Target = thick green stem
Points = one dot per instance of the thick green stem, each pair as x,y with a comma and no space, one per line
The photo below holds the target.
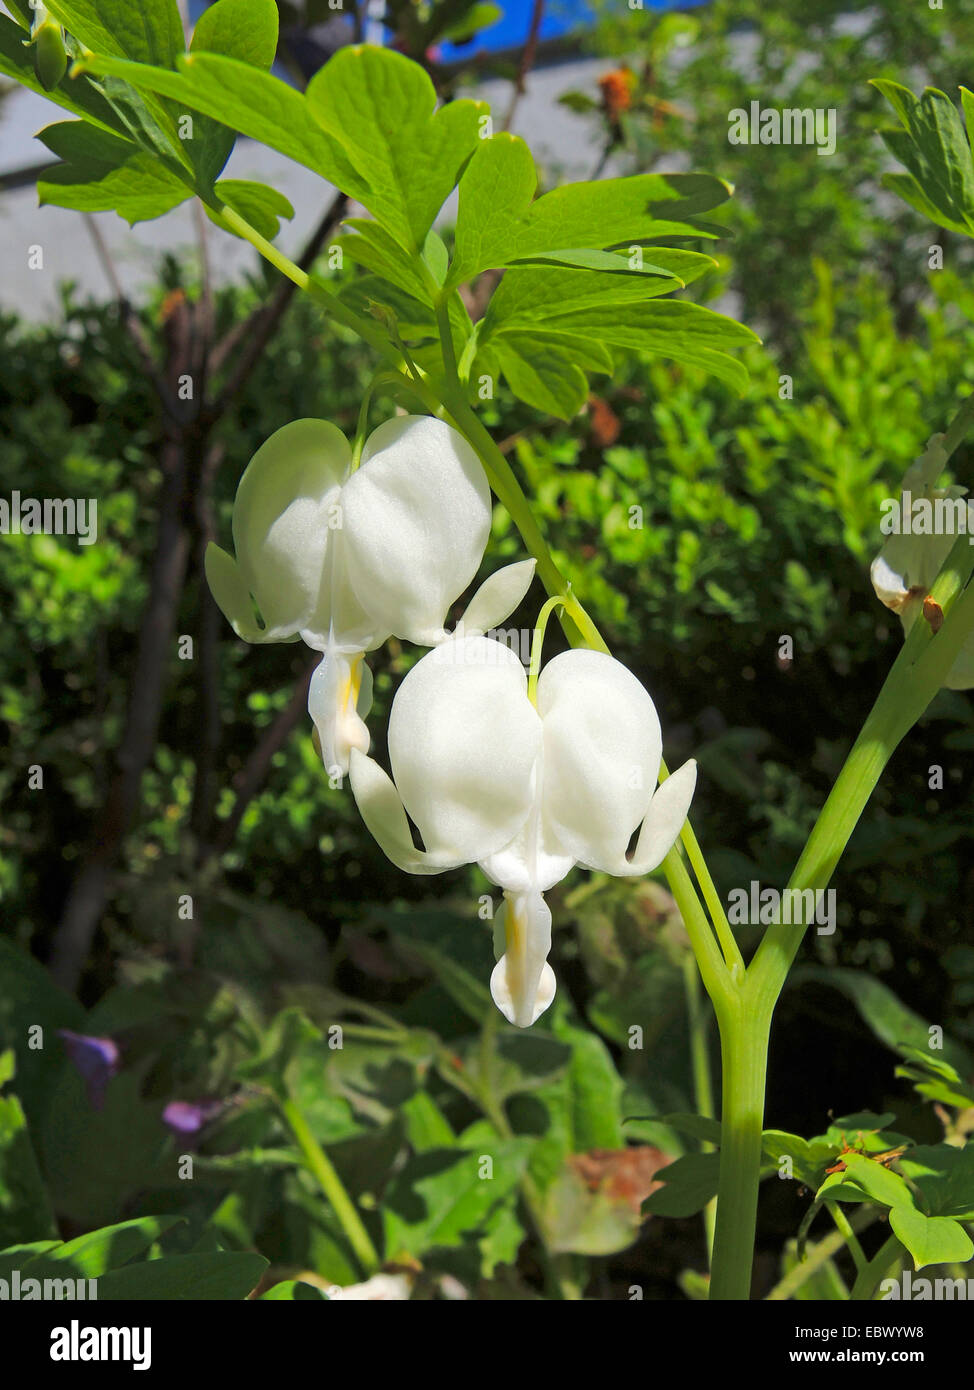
744,1055
323,1170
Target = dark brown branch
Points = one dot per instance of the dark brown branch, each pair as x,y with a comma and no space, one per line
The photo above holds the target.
251,777
528,54
132,325
86,898
209,623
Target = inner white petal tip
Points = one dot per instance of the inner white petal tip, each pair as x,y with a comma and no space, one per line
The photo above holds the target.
523,1012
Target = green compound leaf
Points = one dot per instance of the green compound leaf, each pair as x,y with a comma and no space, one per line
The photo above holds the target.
544,372
528,297
933,146
863,1179
931,1240
371,246
444,1196
248,100
499,225
380,107
684,332
193,147
104,173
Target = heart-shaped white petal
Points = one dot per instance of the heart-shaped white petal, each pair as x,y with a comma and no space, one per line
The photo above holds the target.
463,741
416,519
284,518
602,750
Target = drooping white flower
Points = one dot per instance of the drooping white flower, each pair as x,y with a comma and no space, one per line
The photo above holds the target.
909,562
344,559
526,790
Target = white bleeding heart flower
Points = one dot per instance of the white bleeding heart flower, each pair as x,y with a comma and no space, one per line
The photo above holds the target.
344,558
526,790
909,562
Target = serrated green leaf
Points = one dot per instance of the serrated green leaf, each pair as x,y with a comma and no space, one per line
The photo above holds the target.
381,108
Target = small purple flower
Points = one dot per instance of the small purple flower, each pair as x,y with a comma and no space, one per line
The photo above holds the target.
97,1059
189,1117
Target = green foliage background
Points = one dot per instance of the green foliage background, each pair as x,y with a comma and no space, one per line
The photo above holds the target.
756,518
